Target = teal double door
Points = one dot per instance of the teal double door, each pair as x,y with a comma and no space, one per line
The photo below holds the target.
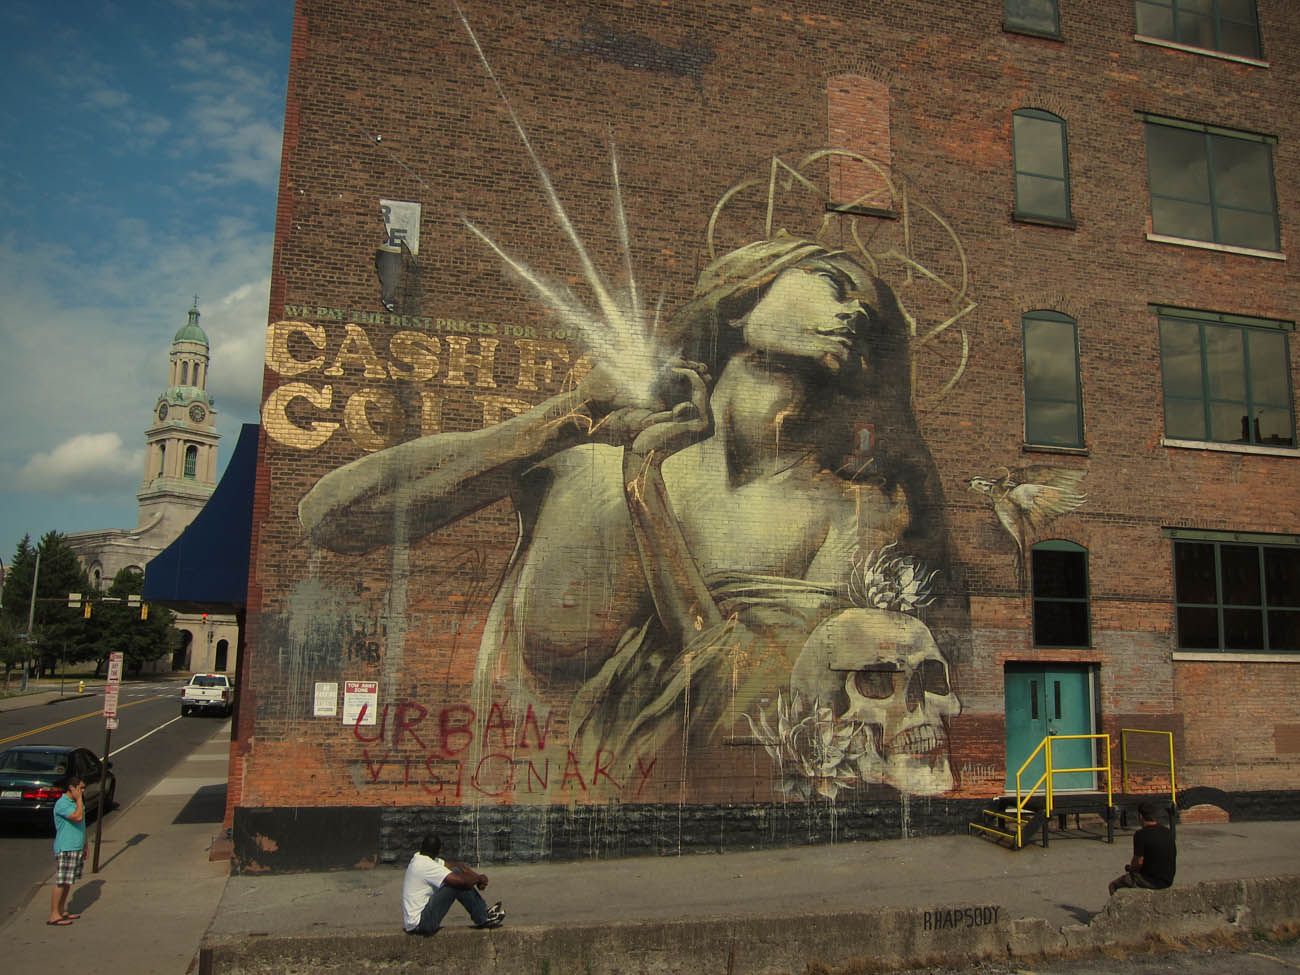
1047,700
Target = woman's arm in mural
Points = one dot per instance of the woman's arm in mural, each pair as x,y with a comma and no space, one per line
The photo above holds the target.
681,596
443,477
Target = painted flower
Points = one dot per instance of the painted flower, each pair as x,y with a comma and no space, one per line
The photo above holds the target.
817,753
901,583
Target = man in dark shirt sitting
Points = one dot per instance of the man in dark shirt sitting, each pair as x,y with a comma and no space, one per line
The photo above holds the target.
1154,855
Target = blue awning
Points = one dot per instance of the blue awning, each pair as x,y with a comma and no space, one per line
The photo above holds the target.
206,568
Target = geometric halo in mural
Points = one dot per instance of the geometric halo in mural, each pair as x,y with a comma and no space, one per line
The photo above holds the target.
896,235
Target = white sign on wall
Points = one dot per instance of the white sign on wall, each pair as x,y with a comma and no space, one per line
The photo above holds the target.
402,221
360,701
325,703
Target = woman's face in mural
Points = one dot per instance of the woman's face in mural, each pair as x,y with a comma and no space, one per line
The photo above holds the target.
815,310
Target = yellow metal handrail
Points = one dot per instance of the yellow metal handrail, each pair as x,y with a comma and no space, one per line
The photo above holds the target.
1049,773
1125,761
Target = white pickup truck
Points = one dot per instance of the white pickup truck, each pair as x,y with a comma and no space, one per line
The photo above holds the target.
208,692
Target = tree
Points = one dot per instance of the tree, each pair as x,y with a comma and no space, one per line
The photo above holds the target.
12,649
58,633
117,626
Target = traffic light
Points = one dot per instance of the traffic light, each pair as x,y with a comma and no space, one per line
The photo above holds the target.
144,611
85,610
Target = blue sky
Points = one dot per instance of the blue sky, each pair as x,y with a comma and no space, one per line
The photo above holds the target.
139,157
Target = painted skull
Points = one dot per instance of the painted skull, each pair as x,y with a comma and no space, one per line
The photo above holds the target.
883,671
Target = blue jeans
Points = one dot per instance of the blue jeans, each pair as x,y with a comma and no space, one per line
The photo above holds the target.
434,911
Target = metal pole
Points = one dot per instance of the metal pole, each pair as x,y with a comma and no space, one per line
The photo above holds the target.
99,813
31,616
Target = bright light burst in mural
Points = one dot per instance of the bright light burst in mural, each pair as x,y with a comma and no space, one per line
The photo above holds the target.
620,331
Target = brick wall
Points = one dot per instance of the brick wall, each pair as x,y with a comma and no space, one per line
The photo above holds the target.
389,101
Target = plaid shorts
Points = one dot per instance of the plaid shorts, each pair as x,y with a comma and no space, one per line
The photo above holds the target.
69,867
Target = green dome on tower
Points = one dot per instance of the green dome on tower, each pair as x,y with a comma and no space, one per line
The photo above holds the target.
190,331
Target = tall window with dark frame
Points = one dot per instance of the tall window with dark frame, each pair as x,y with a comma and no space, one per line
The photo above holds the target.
1059,570
1053,401
1226,381
1232,595
1042,166
1229,26
1212,184
191,461
1032,17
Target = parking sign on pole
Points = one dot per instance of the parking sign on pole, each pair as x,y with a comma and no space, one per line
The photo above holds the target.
110,691
111,688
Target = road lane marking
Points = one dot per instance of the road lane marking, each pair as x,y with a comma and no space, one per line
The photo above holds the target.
80,717
115,751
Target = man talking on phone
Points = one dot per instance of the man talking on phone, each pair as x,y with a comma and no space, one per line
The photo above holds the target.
69,848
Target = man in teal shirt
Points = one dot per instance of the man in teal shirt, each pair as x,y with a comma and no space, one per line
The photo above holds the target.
69,848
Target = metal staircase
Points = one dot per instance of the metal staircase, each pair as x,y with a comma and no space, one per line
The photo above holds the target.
1013,819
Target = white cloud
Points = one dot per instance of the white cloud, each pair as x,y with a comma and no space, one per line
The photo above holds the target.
244,145
238,340
87,464
107,98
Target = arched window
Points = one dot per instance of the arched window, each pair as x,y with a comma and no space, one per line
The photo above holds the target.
1042,166
191,460
181,656
162,459
1060,584
185,373
1053,400
223,649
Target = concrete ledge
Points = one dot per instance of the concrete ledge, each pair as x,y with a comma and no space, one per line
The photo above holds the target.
889,938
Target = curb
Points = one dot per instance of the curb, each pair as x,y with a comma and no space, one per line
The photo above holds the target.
887,939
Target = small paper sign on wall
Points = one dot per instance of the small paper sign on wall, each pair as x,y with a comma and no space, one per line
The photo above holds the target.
325,703
360,701
402,221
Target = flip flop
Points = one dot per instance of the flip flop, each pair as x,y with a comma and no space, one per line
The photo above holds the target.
62,922
70,917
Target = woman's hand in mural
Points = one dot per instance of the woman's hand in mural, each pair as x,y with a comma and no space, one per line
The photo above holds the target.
675,407
687,421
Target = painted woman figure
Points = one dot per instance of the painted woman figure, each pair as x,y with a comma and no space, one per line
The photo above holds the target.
676,550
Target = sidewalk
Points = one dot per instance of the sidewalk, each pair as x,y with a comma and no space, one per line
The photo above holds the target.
39,694
1063,884
158,898
156,892
900,901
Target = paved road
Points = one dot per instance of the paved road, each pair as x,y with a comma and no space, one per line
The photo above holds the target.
1257,958
151,738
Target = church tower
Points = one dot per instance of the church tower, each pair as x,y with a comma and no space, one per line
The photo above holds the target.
180,470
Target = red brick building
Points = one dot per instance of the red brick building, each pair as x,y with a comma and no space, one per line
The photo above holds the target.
708,426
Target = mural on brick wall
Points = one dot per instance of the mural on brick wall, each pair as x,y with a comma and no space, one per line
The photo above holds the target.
1028,499
730,542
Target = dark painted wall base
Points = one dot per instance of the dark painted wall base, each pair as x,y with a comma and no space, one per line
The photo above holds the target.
502,834
286,839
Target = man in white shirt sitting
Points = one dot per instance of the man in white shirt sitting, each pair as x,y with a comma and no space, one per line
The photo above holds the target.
431,884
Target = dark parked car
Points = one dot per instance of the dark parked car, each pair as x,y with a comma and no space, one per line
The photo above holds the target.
32,778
